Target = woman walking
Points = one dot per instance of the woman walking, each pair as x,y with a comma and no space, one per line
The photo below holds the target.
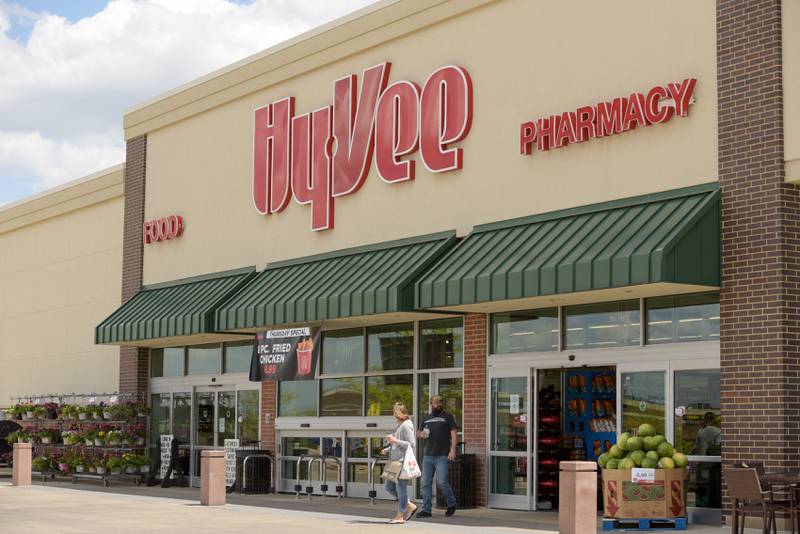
400,440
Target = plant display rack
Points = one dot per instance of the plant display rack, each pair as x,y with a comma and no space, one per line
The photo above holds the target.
97,436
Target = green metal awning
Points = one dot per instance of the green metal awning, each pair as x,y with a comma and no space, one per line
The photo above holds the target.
361,281
172,309
672,236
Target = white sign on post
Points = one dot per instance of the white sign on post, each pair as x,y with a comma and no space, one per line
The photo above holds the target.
230,461
166,453
640,474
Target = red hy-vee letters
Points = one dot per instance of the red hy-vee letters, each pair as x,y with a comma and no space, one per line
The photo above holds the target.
327,153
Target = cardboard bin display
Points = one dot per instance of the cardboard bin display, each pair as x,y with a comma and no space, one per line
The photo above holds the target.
661,498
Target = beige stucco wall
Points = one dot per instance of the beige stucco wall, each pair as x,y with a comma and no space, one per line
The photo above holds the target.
60,274
526,59
791,88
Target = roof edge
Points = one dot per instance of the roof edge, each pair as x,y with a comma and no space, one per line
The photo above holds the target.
438,236
600,206
200,278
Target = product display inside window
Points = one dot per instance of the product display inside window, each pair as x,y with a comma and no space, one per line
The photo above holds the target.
384,391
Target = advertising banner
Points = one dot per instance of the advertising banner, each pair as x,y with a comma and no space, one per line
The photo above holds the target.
287,354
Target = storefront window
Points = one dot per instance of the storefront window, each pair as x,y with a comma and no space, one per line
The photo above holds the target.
248,416
238,356
390,347
166,362
297,398
204,360
357,447
602,325
441,344
343,351
384,391
525,331
683,318
342,396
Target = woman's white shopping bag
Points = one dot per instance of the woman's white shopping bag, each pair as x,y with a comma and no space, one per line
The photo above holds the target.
410,467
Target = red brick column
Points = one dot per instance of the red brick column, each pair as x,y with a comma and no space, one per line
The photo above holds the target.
475,421
759,321
269,406
133,362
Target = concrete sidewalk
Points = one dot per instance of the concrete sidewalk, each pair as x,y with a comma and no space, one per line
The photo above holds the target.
61,507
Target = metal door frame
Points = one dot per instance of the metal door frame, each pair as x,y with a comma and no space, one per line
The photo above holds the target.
517,502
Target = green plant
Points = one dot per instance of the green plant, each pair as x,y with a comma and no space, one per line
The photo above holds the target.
115,462
68,411
73,460
18,436
41,463
39,412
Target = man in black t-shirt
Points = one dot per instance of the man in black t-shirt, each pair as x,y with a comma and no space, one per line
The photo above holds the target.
439,431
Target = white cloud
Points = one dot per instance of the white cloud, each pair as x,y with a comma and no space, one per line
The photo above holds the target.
63,92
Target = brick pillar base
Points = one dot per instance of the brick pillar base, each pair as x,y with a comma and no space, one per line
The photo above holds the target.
475,421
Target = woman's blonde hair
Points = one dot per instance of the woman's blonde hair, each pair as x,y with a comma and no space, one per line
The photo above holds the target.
400,412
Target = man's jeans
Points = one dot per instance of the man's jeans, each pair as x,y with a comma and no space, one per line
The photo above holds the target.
441,464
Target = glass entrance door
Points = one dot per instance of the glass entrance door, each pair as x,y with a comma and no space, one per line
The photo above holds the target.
510,441
219,414
642,397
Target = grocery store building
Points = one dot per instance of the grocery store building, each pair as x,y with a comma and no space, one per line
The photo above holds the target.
565,218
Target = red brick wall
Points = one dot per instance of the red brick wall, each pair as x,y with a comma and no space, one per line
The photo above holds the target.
133,362
760,324
475,421
269,405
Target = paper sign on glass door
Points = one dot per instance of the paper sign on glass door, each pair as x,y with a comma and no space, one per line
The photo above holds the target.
513,404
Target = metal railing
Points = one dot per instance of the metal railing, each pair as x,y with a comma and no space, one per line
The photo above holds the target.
270,459
323,460
371,463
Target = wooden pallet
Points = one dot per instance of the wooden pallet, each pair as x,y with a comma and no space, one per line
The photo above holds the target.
676,523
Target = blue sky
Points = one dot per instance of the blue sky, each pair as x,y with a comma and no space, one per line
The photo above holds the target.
70,69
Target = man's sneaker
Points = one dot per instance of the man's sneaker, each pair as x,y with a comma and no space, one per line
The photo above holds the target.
450,510
424,514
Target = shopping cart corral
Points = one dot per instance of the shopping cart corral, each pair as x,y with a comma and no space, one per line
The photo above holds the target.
323,460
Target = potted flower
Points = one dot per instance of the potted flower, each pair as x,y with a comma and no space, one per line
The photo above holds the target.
126,439
47,437
100,438
131,463
108,413
83,413
142,410
18,436
41,464
39,412
52,410
115,465
113,438
88,438
144,464
27,411
97,412
68,412
91,466
100,466
80,463
63,465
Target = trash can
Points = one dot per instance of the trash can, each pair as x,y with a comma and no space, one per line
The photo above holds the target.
259,472
462,480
